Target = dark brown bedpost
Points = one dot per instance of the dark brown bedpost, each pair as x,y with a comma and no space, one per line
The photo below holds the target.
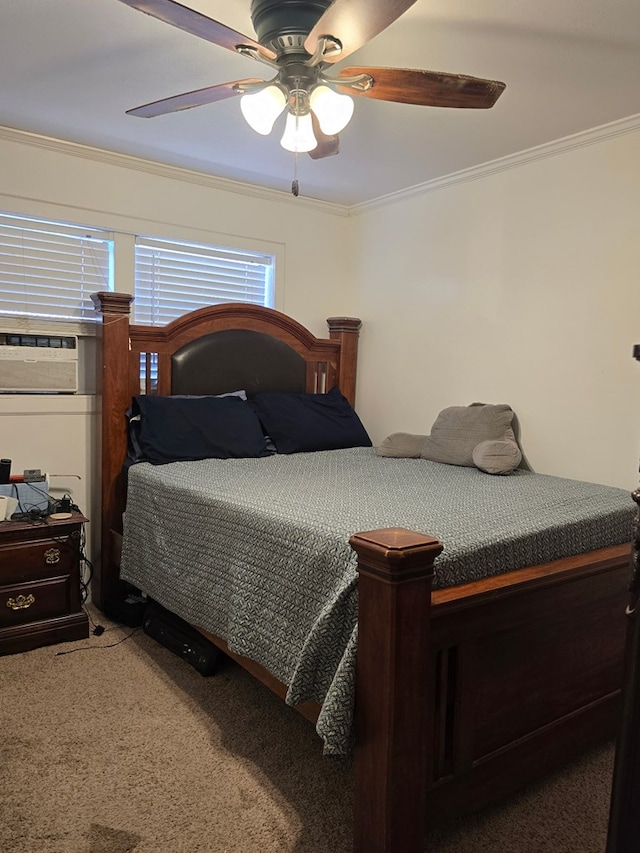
113,387
624,811
346,330
392,689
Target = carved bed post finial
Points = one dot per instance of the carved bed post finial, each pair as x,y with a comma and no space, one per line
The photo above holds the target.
346,330
392,689
114,390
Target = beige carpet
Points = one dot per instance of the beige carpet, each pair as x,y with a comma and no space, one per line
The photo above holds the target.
120,748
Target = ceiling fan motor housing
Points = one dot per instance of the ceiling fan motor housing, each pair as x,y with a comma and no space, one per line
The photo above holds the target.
283,25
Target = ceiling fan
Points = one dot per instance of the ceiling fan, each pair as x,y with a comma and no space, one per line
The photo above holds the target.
301,40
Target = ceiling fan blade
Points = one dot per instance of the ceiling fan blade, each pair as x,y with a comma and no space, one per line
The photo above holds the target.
429,88
197,98
354,23
197,24
327,145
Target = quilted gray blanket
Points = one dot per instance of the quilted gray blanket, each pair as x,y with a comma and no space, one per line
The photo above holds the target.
257,552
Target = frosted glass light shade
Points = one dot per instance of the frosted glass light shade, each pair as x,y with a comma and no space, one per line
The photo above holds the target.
298,133
262,108
332,110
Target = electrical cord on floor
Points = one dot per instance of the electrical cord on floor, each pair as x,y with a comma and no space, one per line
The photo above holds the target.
98,629
95,648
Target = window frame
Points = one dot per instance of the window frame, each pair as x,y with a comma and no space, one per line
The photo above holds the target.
53,256
123,259
242,273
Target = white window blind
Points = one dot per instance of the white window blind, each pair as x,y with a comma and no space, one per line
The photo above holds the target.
173,278
49,269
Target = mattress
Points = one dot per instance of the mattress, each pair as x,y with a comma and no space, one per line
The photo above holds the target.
257,551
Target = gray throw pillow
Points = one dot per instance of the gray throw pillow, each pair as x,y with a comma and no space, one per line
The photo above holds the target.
458,430
402,445
497,457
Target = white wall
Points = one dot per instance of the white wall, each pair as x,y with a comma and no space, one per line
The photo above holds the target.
48,178
58,435
521,286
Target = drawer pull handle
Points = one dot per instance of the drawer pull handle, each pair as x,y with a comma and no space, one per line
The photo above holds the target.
21,602
52,556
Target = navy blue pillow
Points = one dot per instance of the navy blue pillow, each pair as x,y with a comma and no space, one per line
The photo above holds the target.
134,451
298,423
173,429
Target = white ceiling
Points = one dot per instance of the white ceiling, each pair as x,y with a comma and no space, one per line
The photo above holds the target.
70,68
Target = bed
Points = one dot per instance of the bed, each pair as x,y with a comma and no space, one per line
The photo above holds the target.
463,692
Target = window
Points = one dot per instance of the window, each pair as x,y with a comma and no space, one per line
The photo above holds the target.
172,278
49,270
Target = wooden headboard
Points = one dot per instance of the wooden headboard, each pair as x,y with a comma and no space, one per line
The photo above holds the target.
209,351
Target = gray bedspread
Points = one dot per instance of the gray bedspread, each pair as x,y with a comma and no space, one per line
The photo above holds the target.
256,550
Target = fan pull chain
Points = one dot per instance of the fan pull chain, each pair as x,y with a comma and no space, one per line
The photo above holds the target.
295,186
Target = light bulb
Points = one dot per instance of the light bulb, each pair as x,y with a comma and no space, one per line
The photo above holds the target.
332,110
298,133
262,108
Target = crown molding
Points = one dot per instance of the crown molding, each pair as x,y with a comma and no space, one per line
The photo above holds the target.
163,170
621,127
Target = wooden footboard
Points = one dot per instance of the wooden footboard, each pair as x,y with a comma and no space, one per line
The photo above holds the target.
467,694
529,669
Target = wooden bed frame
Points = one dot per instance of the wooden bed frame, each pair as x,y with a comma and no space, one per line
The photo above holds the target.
464,694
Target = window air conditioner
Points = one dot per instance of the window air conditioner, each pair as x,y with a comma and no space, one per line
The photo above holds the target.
38,361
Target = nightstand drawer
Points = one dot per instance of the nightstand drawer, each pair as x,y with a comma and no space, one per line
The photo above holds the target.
40,583
39,559
29,602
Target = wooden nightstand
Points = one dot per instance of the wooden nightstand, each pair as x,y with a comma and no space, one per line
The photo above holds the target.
40,583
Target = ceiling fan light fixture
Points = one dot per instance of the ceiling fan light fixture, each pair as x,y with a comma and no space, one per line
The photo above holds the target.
332,110
298,133
262,108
